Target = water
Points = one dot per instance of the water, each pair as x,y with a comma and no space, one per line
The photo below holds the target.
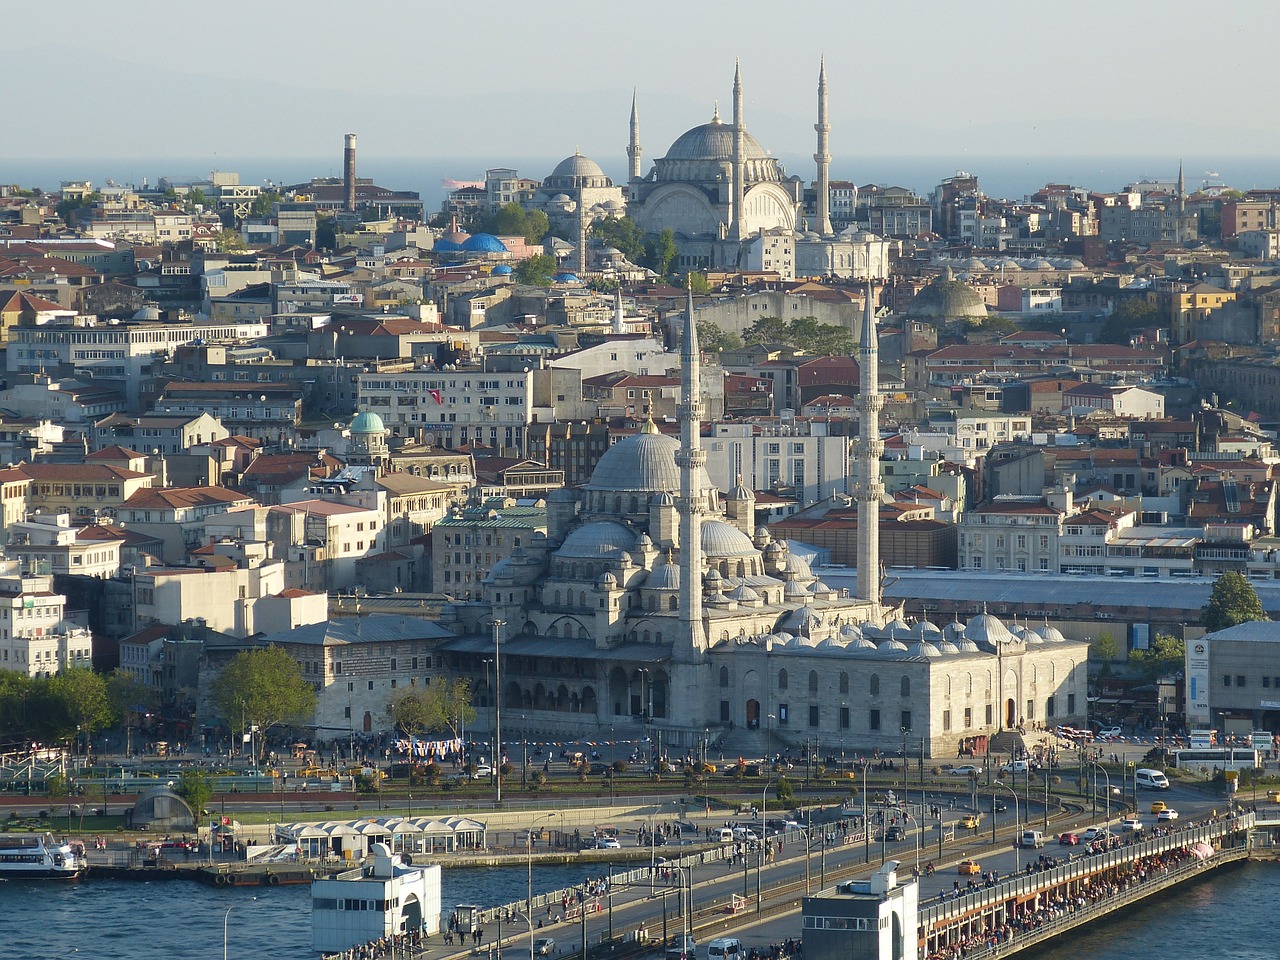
182,920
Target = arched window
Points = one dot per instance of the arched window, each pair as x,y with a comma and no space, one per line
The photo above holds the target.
672,603
724,676
906,686
553,632
657,636
782,679
844,682
635,505
646,636
875,685
582,599
813,681
582,634
557,598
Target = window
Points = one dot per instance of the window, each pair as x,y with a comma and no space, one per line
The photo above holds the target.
968,718
1049,708
724,711
906,720
724,676
844,682
782,679
990,715
906,686
813,681
875,685
784,714
873,720
1266,681
844,718
346,713
370,684
1071,704
1031,710
1240,680
1226,679
946,720
813,715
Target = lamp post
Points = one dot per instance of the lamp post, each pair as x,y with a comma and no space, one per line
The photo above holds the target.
497,712
905,763
529,903
866,817
225,918
1017,821
1107,777
764,833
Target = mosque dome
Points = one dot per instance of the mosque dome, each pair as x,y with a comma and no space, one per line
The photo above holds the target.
1052,634
565,278
643,462
744,594
965,645
795,591
720,539
483,243
850,632
575,172
831,643
985,628
597,539
923,648
367,422
665,576
705,153
859,644
501,270
797,566
892,648
946,298
946,646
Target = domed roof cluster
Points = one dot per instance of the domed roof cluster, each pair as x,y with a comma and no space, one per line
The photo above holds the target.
898,639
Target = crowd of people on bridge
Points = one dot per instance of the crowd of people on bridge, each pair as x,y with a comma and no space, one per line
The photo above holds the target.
1057,904
392,945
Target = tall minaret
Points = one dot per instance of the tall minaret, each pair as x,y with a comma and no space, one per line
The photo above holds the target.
868,451
737,222
619,323
823,157
691,459
581,253
633,149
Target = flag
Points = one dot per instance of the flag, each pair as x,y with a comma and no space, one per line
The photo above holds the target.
435,395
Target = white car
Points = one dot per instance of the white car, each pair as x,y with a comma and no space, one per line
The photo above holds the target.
965,771
544,946
1094,833
1167,814
481,771
608,843
1132,824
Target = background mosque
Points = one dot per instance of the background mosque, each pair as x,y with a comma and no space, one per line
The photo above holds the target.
653,599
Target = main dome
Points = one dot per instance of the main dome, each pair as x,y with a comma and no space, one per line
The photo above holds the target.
714,141
704,154
643,461
574,172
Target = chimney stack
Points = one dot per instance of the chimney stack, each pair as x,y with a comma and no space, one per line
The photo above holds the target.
349,170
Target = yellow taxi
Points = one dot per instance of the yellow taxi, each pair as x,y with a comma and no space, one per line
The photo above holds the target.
1159,807
970,821
968,868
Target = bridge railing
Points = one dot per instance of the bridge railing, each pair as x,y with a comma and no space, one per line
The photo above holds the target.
1027,885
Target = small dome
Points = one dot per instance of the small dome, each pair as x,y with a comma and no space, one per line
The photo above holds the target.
794,590
965,645
607,580
597,539
501,270
644,542
850,632
664,499
892,648
859,644
945,298
926,631
744,594
483,243
923,648
665,576
565,278
946,646
831,643
797,566
1052,634
897,628
985,628
500,570
720,539
367,422
713,578
561,198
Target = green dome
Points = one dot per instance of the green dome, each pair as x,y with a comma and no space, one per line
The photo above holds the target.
367,422
945,298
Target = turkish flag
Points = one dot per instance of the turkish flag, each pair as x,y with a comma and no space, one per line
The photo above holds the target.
435,395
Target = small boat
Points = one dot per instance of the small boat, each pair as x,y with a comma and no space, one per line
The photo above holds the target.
37,856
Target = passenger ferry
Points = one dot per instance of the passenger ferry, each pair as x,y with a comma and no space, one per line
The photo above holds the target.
37,856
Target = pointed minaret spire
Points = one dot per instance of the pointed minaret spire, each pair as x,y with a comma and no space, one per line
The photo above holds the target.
619,324
737,221
868,450
633,148
823,157
691,459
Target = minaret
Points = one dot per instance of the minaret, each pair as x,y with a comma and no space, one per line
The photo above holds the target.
868,450
691,459
823,157
619,324
1182,189
581,252
737,222
633,149
349,171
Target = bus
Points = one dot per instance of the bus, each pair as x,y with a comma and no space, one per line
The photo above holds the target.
1206,760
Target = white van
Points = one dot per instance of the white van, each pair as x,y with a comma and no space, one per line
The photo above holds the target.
1032,838
725,948
1151,779
725,835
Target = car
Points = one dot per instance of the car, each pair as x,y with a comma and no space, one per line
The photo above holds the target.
999,807
744,833
968,770
608,843
970,821
1110,732
1016,766
481,771
894,833
1167,815
968,868
1069,839
1131,824
682,948
544,946
1094,833
597,768
1159,807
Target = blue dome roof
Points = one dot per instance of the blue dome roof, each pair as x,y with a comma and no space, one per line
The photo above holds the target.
483,243
446,246
565,278
367,422
501,270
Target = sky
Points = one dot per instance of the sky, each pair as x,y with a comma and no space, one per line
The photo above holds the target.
424,79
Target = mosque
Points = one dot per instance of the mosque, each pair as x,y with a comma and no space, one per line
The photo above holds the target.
654,604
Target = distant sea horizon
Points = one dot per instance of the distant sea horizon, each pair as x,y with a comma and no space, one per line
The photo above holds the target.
1007,177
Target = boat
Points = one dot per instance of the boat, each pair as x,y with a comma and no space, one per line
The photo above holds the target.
37,856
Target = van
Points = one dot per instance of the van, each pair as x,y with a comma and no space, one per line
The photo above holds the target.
1151,780
1031,838
725,835
725,948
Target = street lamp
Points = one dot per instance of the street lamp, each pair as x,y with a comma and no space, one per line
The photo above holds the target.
905,763
1105,774
225,918
1017,820
529,902
497,712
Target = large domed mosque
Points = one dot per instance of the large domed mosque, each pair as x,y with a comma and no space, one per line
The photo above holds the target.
654,599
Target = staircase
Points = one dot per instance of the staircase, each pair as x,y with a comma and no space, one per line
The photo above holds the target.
1008,743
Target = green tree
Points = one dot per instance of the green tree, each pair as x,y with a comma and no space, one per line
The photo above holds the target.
263,203
195,198
622,233
1165,656
536,271
767,330
1233,600
327,233
538,226
266,688
195,787
230,241
659,251
441,706
82,699
697,282
1129,315
1106,649
716,340
128,695
15,694
803,333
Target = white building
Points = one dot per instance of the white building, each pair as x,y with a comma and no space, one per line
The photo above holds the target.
817,466
34,637
48,544
1014,533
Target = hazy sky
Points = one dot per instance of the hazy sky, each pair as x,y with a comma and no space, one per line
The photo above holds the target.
130,78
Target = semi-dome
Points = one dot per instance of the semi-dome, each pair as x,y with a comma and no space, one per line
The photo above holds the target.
720,539
483,243
597,539
946,298
367,422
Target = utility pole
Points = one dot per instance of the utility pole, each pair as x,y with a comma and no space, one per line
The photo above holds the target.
497,730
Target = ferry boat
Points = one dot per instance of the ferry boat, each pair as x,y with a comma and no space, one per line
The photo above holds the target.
37,856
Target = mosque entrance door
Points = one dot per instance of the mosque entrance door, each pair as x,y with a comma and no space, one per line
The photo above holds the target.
1010,714
753,714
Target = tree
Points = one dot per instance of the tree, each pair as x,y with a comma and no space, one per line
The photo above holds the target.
230,241
195,787
659,251
436,707
697,282
622,234
537,226
1165,656
713,339
263,203
1233,600
266,688
803,333
1106,649
536,271
128,695
1129,315
82,697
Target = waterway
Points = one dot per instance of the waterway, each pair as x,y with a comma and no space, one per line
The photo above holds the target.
1230,915
177,920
